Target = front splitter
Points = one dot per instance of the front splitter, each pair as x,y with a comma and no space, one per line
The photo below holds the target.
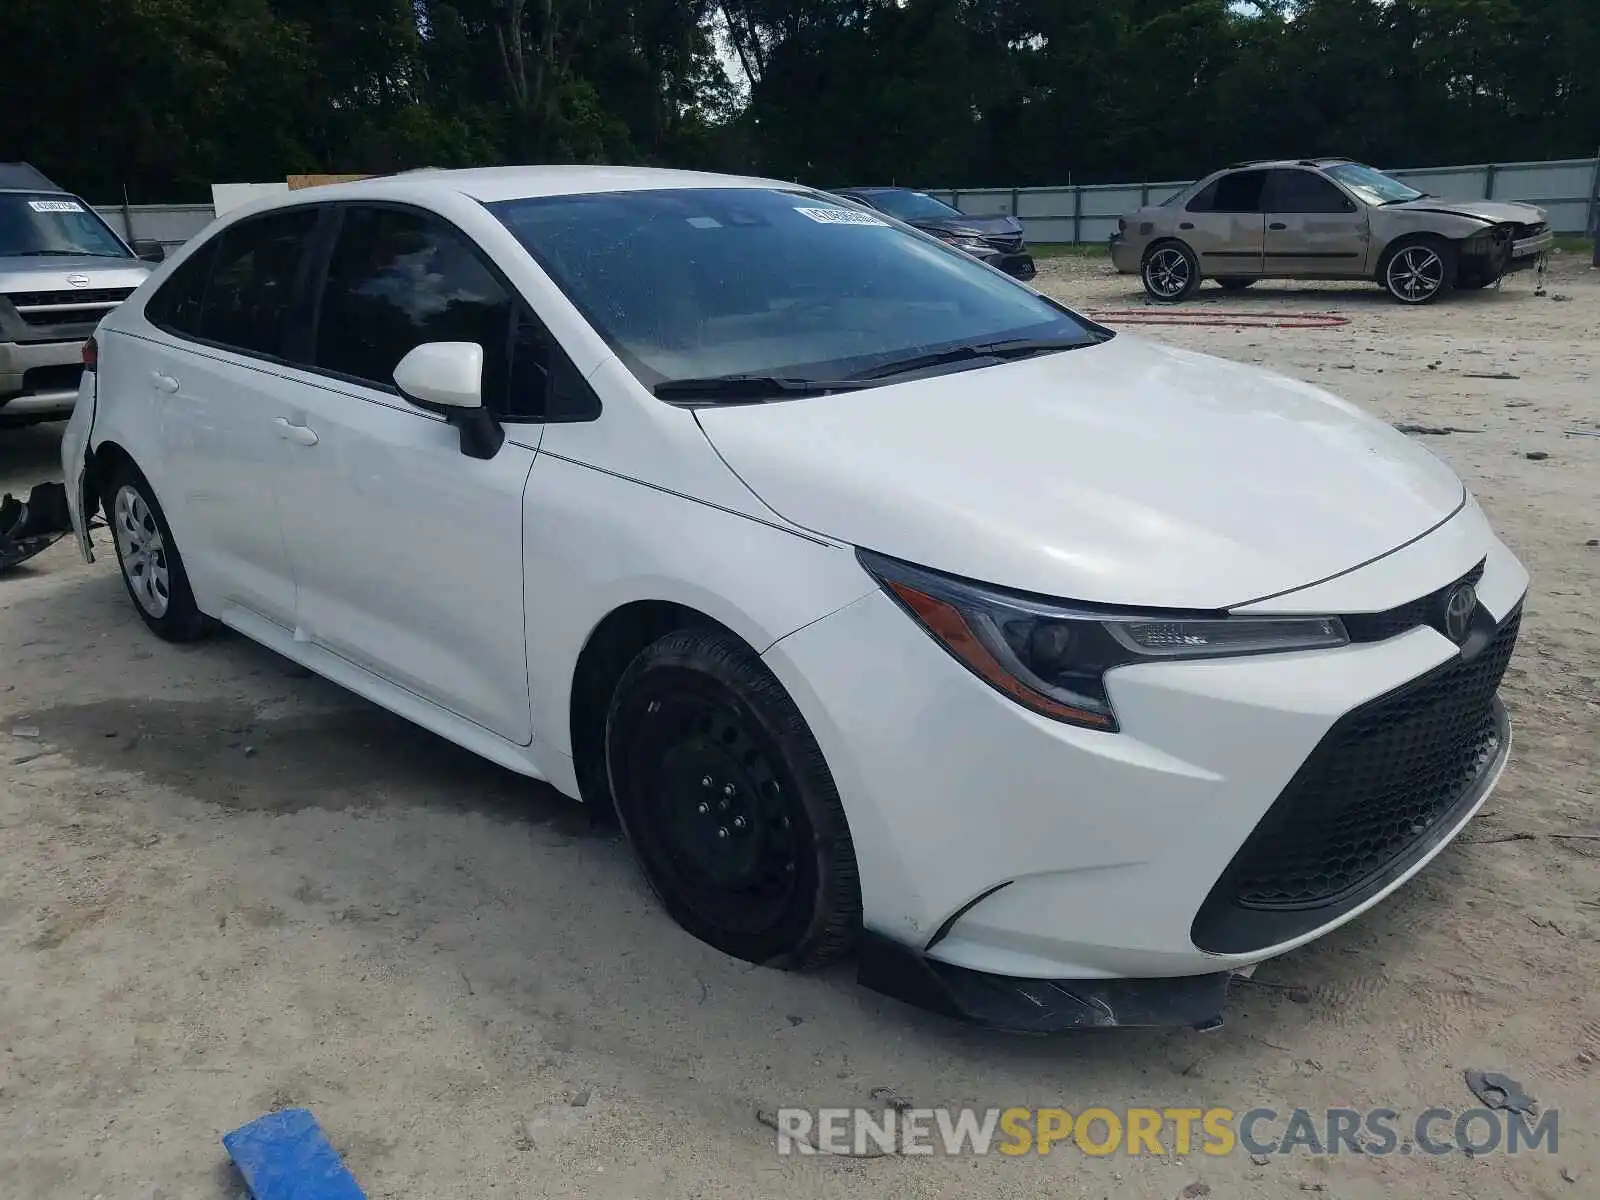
1038,1006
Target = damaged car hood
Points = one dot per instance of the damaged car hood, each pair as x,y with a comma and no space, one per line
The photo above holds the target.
1493,211
1121,473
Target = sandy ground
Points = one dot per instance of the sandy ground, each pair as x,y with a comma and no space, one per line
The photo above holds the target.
226,886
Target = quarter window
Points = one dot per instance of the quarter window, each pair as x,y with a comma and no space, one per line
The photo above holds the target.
254,271
177,303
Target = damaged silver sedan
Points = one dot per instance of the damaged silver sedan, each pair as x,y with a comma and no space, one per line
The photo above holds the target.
1325,218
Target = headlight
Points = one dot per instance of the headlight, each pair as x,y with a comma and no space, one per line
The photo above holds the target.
1052,656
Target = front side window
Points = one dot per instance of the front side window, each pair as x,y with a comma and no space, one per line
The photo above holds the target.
398,278
1372,185
698,283
1290,191
254,271
51,224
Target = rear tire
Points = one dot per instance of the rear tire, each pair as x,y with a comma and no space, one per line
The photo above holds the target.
1234,283
152,568
1418,270
725,797
1170,272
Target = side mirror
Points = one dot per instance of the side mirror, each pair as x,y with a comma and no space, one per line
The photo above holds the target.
447,378
150,251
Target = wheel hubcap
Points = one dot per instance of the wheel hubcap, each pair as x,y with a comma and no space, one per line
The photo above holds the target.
142,551
1416,273
1167,272
717,809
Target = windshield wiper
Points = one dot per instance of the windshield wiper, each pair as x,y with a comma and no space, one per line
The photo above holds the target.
736,389
62,254
1004,349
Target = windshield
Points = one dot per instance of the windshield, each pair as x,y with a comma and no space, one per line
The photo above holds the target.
1371,185
914,206
50,223
691,284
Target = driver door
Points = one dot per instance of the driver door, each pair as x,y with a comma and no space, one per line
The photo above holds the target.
1313,228
407,553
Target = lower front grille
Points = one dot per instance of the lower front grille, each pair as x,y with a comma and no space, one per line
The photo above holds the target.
1006,245
1378,791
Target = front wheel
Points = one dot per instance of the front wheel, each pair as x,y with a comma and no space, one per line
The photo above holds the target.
728,804
1170,272
1419,271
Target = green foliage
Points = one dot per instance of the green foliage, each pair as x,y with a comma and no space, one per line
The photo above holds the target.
163,97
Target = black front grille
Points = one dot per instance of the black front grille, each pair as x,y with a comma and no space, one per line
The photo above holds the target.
61,378
1521,232
1006,245
1380,788
1426,610
72,296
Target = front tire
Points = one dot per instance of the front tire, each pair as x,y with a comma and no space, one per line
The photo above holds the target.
152,568
1419,270
728,803
1170,272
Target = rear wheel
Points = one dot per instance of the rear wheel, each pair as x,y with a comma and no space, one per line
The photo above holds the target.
1170,272
1234,283
152,568
726,799
1419,270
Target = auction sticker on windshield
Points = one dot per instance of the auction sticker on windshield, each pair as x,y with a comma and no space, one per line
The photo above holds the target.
55,206
841,216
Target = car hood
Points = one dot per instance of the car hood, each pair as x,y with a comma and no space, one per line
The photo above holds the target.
1121,473
985,227
48,273
1485,210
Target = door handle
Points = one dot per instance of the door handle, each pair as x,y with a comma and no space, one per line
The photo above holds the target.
301,435
164,382
1277,225
1186,225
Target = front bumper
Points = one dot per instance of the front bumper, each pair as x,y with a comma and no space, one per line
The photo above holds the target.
1527,252
34,383
1005,844
1017,265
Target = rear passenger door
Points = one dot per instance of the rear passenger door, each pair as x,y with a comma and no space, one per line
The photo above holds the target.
214,371
407,553
1313,228
1224,225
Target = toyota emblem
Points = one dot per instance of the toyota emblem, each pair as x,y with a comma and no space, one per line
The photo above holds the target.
1458,606
78,280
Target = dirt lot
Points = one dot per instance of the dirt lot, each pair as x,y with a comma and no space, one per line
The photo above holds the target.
226,886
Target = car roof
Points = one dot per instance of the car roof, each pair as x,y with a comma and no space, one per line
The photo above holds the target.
25,177
491,184
1286,162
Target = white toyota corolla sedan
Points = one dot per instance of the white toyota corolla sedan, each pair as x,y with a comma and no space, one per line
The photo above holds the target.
897,610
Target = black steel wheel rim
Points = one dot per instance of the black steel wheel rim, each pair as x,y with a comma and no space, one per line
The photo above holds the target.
708,791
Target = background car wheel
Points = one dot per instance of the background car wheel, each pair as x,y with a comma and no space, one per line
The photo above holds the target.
1419,270
1234,283
151,566
1170,272
726,799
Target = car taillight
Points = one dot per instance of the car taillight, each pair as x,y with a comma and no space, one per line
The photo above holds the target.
91,355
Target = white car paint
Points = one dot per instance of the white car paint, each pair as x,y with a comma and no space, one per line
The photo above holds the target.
343,527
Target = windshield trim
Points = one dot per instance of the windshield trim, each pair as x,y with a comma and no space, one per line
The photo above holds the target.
85,208
648,377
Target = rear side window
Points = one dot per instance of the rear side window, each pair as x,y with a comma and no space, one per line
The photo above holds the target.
1236,193
254,271
177,303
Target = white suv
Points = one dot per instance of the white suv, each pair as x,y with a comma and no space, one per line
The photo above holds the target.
895,608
